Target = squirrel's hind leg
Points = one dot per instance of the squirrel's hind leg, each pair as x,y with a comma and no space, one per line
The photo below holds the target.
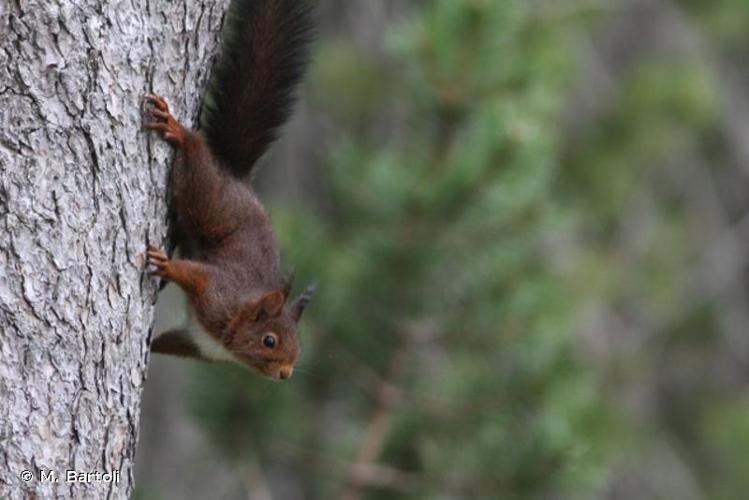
177,342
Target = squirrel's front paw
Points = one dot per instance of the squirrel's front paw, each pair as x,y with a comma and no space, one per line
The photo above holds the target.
160,261
170,128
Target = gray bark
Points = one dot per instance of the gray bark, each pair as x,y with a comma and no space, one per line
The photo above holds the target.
82,192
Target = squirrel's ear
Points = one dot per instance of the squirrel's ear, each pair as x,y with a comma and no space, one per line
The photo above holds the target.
301,303
272,303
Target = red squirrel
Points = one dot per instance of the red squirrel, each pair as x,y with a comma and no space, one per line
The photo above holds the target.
230,265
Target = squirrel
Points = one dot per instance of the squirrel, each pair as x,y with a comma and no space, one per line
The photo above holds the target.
230,265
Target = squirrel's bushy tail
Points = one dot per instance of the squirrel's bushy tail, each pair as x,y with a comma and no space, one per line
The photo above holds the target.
251,91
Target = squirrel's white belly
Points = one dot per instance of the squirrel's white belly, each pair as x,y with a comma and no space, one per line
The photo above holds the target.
209,346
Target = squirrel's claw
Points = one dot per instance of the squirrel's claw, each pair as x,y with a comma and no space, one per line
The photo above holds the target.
156,126
156,254
158,102
158,113
159,260
170,128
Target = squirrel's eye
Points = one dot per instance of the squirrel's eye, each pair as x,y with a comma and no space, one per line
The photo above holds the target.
269,341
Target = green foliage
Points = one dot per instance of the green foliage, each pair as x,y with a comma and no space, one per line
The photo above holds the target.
433,252
725,21
647,182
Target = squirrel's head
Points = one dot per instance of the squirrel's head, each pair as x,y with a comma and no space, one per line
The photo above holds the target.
263,334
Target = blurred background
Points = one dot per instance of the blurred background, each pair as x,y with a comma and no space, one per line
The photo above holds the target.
529,224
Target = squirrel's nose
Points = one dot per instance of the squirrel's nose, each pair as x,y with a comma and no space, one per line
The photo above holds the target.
285,372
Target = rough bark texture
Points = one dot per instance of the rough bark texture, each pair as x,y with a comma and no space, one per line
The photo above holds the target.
82,192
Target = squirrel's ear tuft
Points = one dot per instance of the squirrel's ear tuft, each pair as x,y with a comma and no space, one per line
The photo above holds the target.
272,303
301,302
287,282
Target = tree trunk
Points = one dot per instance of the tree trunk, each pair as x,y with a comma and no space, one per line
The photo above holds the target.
82,192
